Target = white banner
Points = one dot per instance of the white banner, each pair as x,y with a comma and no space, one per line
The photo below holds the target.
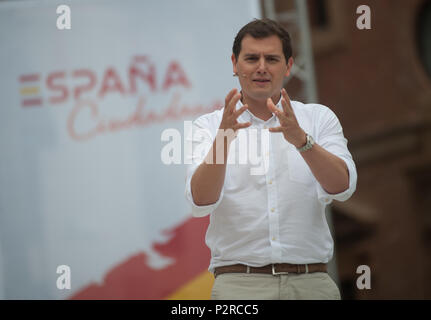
82,184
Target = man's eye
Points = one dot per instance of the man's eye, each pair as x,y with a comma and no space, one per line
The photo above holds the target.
250,59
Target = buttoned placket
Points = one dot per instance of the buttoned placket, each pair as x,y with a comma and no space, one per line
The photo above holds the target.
272,205
271,184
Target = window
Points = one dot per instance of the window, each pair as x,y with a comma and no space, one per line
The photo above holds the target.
318,11
424,36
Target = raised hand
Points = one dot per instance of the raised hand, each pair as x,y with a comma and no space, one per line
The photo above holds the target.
230,115
289,126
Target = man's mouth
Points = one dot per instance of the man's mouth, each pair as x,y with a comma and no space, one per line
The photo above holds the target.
261,80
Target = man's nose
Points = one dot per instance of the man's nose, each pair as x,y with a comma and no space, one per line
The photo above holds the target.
261,68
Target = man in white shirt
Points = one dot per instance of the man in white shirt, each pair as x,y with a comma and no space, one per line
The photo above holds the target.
268,234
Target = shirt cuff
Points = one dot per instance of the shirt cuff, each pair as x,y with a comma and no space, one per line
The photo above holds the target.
201,211
327,198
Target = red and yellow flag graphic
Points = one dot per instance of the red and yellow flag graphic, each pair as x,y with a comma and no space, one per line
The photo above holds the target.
186,278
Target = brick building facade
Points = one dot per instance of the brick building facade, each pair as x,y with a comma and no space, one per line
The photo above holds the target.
377,83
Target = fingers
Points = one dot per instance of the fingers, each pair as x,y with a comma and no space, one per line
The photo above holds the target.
236,114
280,115
271,105
230,114
232,103
285,102
231,100
273,108
285,107
241,125
276,129
229,97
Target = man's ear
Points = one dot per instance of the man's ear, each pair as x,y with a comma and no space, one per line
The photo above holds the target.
234,63
289,66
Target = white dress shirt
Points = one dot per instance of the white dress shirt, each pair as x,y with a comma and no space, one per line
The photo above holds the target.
277,216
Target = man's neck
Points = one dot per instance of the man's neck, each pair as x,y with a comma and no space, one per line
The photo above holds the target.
258,107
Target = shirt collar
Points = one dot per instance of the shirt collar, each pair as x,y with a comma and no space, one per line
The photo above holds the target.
247,116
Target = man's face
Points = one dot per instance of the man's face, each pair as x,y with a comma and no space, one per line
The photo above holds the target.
261,67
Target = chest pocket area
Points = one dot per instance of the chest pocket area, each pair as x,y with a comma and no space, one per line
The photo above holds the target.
238,177
297,167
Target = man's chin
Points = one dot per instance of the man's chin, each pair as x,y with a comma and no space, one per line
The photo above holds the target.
261,96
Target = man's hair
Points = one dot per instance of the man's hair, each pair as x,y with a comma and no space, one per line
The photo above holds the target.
263,28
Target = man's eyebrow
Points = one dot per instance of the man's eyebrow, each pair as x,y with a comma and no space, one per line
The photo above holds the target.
250,55
272,56
247,55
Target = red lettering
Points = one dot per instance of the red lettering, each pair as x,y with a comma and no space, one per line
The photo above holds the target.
84,73
149,76
175,76
137,119
111,76
57,87
72,120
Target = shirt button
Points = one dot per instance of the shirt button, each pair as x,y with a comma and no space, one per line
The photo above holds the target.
270,182
265,127
273,238
326,199
272,209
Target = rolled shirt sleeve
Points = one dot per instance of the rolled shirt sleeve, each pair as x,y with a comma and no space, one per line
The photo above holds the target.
331,138
200,138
